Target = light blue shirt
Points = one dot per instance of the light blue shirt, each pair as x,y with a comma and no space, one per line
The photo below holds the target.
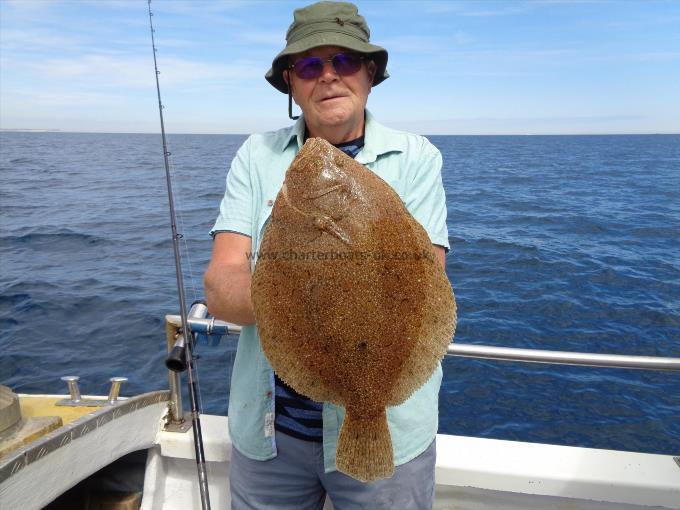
412,166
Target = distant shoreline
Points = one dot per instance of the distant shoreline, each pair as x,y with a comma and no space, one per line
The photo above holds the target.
247,134
32,130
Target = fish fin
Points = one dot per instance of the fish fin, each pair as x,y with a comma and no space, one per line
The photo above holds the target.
326,224
365,447
322,192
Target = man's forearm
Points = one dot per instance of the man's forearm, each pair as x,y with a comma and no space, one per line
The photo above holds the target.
227,292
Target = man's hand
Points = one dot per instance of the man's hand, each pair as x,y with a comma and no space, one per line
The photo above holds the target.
227,279
440,253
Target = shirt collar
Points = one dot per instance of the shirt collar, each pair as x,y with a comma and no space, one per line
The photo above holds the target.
296,131
378,139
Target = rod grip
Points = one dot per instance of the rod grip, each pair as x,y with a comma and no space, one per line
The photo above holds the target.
177,358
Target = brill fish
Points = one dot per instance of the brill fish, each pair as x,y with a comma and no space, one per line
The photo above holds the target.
351,303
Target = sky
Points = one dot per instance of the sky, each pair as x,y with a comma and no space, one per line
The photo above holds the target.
457,67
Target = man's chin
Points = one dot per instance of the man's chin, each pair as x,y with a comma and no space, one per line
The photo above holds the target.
334,118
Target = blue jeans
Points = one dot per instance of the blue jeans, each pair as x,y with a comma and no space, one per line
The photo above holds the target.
295,480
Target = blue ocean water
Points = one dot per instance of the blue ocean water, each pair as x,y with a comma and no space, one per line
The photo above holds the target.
558,242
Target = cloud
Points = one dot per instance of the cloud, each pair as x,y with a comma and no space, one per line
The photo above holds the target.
556,119
114,71
19,7
39,40
473,9
656,56
537,125
494,9
510,54
425,45
263,38
60,98
413,44
201,7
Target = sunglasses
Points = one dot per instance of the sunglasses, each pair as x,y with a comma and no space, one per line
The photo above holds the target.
310,68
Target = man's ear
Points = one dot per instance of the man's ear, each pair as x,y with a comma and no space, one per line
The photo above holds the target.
286,77
372,68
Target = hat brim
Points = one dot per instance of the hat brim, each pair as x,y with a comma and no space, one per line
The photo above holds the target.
376,53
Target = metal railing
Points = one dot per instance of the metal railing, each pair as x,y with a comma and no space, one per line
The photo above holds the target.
216,327
564,357
212,326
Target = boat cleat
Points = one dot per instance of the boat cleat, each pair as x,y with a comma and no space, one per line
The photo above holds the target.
77,400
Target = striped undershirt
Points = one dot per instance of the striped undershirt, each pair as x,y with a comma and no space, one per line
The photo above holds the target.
297,415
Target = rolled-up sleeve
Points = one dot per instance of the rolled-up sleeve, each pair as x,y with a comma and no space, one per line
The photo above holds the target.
426,199
236,208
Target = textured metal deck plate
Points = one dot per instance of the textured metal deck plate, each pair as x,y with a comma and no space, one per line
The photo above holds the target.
22,457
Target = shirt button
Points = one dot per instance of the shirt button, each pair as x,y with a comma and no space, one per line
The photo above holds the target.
270,202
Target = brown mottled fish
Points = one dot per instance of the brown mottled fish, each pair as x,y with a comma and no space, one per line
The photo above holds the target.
352,305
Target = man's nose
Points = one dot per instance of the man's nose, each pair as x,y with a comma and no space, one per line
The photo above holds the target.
328,72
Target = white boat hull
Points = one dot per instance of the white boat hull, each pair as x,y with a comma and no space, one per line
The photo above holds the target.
471,474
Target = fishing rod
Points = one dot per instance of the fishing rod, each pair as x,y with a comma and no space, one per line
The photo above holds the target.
184,343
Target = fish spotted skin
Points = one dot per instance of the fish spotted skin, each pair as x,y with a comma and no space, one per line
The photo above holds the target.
351,302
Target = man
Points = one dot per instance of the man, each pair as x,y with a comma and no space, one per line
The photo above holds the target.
284,443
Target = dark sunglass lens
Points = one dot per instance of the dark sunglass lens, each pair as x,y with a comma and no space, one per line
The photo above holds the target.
308,68
346,63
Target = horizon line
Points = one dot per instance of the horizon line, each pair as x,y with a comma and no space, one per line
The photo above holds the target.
37,130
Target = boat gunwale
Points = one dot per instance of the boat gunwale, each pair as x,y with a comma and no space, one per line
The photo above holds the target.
36,450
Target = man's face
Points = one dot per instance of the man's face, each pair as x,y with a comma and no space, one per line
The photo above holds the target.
332,103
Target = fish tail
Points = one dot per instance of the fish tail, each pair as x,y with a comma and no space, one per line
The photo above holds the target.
365,447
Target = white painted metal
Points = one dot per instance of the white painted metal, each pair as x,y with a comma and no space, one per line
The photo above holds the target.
217,442
471,474
561,471
171,483
50,476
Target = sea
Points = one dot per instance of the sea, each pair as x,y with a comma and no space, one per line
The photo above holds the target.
557,242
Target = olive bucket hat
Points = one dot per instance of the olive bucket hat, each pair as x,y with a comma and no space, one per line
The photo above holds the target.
327,24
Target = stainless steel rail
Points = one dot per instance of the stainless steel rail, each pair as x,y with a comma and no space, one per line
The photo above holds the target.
564,357
217,327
